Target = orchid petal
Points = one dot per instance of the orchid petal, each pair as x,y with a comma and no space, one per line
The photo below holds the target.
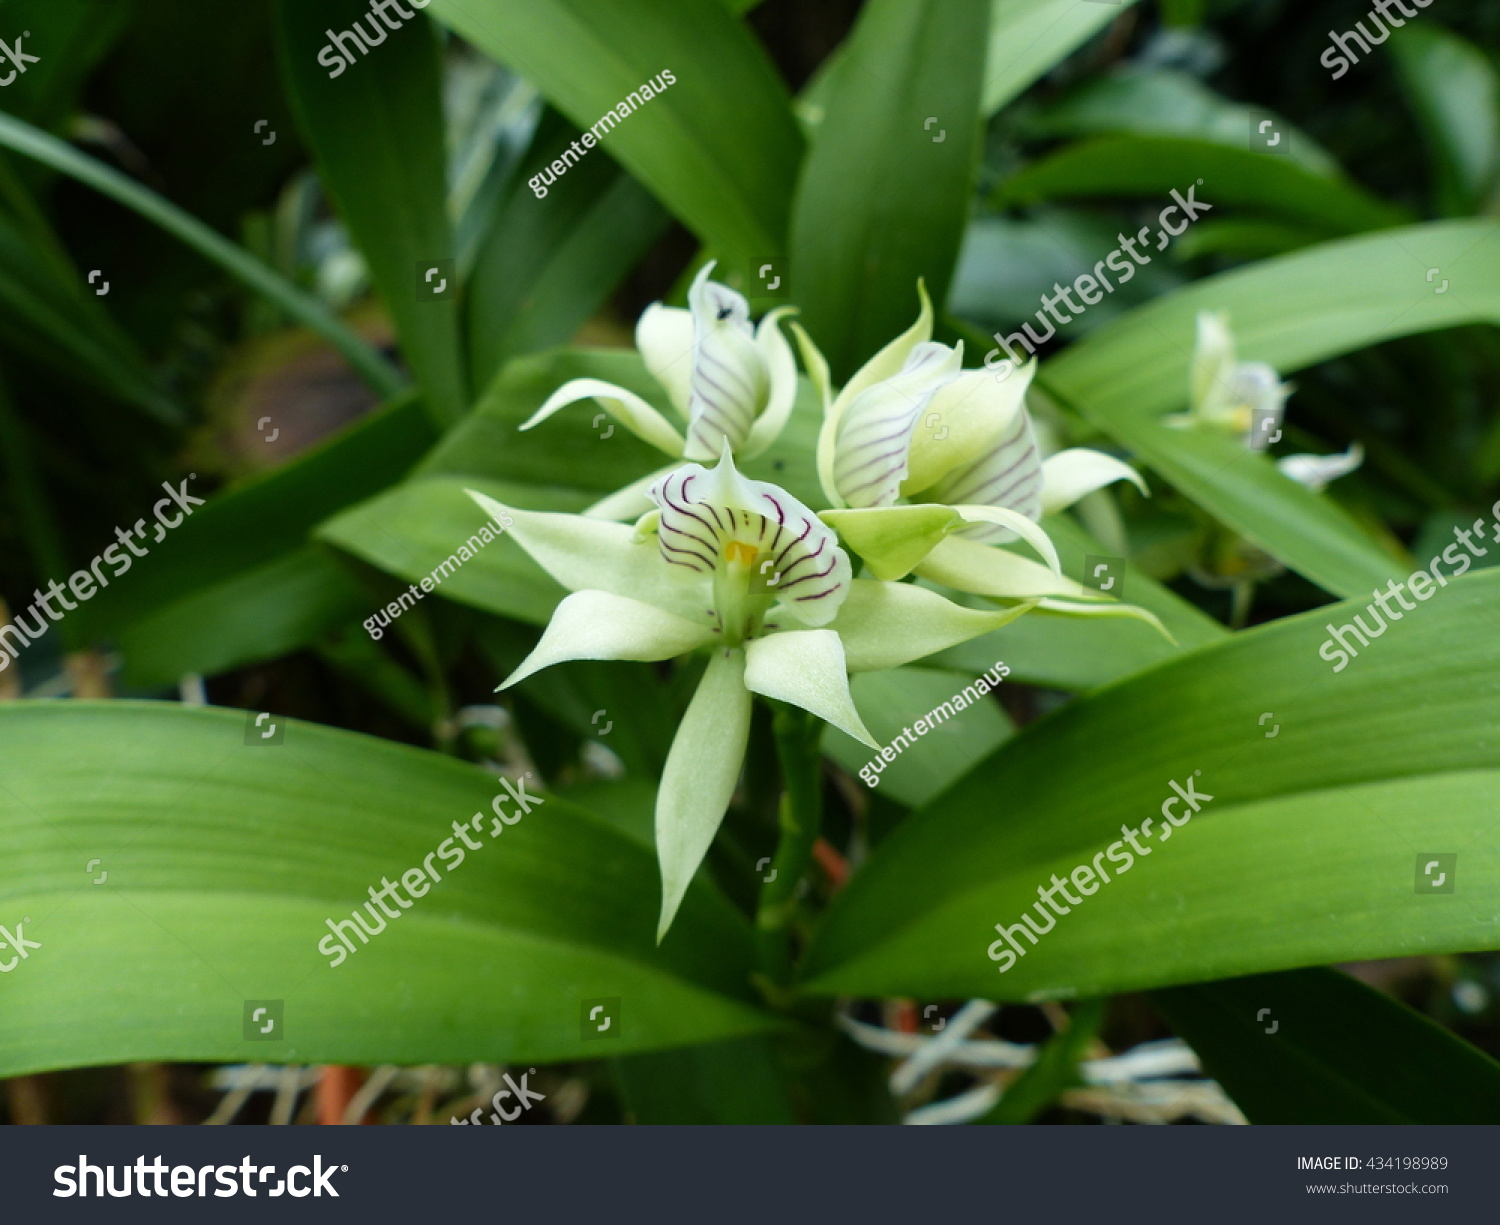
640,418
703,766
874,432
1009,477
817,373
594,554
892,359
1213,359
969,417
885,625
807,669
983,569
1070,475
730,383
1110,609
781,367
664,338
892,540
1023,527
1316,471
597,625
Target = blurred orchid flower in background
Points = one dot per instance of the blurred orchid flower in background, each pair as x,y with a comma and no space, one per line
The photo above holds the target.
744,569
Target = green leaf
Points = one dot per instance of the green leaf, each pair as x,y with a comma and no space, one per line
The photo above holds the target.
267,517
1166,102
76,36
549,263
376,131
307,310
1028,37
226,861
1453,89
1152,167
1307,854
1314,1046
257,614
1292,312
719,147
1055,1069
885,192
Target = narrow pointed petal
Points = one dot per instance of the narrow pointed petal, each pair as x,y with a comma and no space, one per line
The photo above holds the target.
630,503
885,625
1213,359
875,431
624,406
807,668
597,625
987,570
781,368
1023,527
1008,476
664,339
1316,471
966,420
1111,609
698,782
892,540
730,383
1070,475
594,554
817,372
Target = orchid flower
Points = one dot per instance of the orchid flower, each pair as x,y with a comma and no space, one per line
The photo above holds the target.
731,382
743,570
928,465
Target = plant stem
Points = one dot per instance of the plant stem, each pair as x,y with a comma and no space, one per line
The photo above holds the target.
800,817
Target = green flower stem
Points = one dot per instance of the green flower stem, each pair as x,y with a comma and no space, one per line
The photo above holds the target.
798,737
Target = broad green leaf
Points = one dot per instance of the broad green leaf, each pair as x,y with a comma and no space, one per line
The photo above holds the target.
1223,176
226,861
1314,1046
267,517
890,702
719,147
303,307
1167,102
75,37
1027,38
257,614
1453,88
885,191
1329,790
550,261
1292,312
376,131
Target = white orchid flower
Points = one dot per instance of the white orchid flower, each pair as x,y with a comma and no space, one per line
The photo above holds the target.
927,465
743,569
1238,397
729,381
1228,394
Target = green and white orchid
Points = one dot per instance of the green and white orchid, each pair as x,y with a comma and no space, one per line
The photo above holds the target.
731,382
744,571
928,466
